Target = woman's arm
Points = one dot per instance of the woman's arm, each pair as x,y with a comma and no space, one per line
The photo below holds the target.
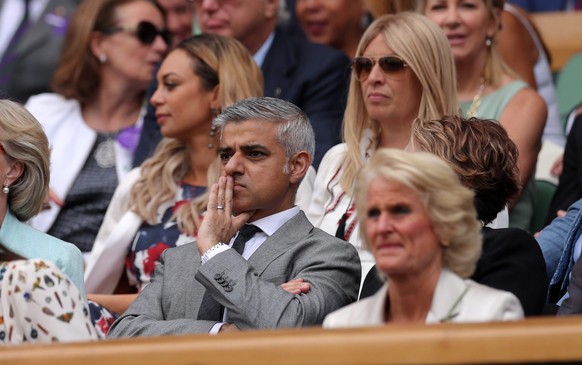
117,303
524,119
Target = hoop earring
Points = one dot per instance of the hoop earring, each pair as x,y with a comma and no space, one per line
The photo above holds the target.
5,189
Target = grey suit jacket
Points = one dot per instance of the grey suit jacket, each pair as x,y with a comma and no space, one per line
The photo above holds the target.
39,51
170,303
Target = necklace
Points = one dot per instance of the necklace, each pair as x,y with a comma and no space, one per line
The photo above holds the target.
477,99
105,151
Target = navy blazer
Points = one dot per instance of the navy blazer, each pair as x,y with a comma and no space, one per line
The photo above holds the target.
312,76
540,5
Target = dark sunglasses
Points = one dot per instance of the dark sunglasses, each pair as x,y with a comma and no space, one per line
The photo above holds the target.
390,65
146,32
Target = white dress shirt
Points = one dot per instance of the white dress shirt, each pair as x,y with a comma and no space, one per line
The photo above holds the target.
268,225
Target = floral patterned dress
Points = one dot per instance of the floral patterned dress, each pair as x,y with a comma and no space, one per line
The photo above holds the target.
152,240
148,245
38,303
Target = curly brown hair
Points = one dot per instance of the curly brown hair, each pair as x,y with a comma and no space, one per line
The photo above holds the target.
480,152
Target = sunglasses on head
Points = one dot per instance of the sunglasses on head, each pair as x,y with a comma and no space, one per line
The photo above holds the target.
144,31
362,66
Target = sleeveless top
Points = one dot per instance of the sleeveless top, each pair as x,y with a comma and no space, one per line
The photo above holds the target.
545,83
492,106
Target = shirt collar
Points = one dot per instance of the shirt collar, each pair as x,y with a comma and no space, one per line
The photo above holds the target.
259,57
272,223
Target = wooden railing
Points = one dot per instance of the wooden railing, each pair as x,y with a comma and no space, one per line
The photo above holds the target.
561,33
533,340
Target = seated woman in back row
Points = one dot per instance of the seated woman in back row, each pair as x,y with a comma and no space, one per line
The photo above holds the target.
403,71
420,223
485,159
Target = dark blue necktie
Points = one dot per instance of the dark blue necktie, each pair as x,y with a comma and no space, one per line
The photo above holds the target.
210,309
10,53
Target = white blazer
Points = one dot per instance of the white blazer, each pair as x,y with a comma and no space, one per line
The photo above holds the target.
71,141
455,300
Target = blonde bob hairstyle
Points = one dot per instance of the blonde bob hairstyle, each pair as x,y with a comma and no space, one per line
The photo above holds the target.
425,49
25,142
216,60
448,203
495,67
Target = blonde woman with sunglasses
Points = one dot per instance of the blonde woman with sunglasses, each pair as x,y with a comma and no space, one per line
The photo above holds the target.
93,120
403,73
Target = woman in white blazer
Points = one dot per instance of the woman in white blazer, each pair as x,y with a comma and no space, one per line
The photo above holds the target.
93,119
420,224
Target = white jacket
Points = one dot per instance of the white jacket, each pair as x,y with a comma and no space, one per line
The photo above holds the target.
454,300
71,141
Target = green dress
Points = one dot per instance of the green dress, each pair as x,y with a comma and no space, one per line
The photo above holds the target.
492,106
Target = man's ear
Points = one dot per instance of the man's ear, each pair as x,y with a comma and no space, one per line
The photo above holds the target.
298,166
272,8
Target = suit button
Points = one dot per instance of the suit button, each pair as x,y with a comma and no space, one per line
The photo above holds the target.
217,276
228,288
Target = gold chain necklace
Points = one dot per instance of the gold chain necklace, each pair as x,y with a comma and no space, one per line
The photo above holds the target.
477,99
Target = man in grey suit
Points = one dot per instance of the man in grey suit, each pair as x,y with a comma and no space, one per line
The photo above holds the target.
34,56
287,274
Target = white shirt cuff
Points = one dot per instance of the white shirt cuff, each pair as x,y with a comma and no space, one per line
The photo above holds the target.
213,251
216,328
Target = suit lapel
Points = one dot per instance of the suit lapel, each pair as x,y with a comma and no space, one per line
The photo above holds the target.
447,298
51,23
295,230
277,67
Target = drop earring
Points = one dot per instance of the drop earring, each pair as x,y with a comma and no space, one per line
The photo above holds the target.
5,189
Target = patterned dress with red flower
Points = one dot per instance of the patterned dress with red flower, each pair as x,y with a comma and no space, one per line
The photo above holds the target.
148,245
151,240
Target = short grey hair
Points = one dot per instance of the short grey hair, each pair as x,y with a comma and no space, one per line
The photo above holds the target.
295,133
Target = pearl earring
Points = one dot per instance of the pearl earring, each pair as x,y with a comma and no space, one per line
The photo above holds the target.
488,42
102,58
5,189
